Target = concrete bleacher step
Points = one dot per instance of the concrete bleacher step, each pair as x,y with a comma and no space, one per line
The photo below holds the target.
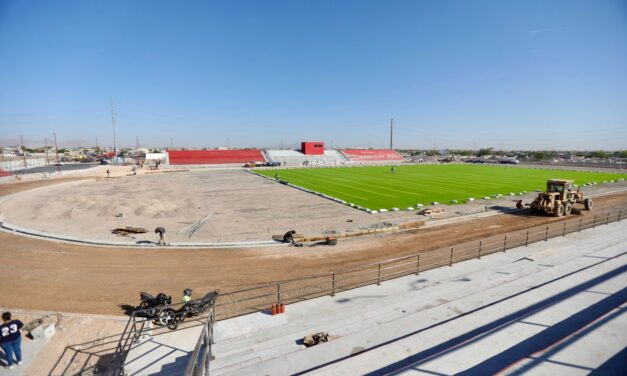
534,324
262,347
359,316
374,335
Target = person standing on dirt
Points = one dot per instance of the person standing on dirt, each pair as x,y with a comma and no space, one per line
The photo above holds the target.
161,232
108,173
11,339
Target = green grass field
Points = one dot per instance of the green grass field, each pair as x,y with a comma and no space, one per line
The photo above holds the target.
377,187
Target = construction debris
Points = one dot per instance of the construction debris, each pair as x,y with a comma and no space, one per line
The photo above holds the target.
314,339
126,231
431,211
193,229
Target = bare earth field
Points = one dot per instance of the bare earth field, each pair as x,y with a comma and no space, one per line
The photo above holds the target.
38,274
241,207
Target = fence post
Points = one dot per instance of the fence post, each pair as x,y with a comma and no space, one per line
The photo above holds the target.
527,239
418,264
580,220
607,219
620,211
504,243
595,222
332,283
379,275
278,293
479,249
450,263
564,232
546,235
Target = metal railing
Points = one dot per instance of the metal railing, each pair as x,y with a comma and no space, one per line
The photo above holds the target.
198,364
131,334
260,298
136,326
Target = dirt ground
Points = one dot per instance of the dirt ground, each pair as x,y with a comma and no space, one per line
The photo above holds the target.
240,207
38,274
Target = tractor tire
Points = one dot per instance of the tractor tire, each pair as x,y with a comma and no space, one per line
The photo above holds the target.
568,208
558,211
587,204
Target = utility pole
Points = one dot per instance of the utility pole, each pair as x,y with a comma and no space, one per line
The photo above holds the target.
46,148
391,133
115,150
23,152
56,149
171,143
137,139
228,143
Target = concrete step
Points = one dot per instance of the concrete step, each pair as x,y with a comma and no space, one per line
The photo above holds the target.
404,300
466,302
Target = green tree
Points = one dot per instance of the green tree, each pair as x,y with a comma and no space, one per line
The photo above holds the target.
598,154
485,151
539,155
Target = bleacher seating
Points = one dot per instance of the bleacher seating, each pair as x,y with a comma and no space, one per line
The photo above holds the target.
372,156
4,173
185,157
296,158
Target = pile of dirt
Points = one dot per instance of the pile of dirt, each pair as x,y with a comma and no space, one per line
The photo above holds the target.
127,231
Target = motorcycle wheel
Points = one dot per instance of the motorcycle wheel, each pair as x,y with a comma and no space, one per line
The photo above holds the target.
167,318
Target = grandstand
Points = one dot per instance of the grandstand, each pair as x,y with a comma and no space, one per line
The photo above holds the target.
296,158
372,155
289,158
185,157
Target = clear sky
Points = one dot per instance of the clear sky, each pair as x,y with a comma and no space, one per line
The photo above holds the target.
459,74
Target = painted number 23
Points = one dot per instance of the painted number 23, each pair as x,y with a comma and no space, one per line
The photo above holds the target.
5,330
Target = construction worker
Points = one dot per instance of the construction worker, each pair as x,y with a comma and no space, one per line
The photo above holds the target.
289,237
187,296
161,232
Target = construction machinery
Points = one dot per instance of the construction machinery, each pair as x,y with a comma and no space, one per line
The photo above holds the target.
559,199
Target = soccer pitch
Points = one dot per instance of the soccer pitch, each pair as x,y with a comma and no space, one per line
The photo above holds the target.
377,187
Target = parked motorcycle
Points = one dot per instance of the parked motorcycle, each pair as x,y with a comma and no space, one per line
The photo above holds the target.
173,317
151,306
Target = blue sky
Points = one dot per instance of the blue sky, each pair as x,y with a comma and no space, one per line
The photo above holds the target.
458,74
